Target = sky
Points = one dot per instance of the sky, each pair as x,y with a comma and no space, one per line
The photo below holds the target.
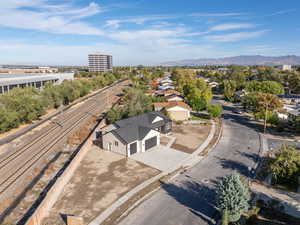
148,32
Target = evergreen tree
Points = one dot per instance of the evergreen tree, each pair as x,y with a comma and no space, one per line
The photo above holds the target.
232,196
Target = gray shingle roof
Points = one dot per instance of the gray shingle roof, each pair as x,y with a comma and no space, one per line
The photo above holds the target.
132,133
144,120
136,128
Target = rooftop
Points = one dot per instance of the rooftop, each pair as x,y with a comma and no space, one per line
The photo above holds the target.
18,78
136,128
171,104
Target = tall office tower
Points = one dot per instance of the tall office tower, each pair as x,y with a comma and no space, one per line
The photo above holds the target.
100,62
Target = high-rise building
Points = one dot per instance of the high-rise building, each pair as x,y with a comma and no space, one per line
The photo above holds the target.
99,62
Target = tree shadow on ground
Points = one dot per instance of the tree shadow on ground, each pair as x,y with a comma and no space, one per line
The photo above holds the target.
244,121
275,214
239,167
198,198
253,156
253,124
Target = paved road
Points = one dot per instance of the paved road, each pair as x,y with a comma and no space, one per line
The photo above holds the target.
189,200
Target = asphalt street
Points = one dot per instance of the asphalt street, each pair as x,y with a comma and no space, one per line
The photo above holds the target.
190,198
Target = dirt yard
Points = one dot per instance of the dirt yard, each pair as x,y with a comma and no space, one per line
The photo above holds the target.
101,179
189,136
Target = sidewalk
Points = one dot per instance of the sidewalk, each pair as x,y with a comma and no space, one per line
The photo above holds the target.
191,160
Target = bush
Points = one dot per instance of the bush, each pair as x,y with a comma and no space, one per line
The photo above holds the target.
285,167
214,110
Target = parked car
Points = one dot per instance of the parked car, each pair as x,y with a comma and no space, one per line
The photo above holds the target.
238,111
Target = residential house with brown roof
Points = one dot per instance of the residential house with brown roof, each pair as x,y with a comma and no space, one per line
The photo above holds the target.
177,110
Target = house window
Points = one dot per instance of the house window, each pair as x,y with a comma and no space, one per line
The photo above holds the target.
116,143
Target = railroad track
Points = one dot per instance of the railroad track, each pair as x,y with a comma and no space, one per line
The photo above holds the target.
20,163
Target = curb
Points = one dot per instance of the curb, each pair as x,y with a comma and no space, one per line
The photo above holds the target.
182,166
263,149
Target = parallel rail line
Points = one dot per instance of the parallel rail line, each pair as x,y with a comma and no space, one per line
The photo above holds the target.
44,143
22,169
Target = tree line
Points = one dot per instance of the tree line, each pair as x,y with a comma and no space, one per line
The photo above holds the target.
24,105
196,91
134,102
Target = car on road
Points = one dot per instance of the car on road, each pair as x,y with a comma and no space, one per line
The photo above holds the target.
238,111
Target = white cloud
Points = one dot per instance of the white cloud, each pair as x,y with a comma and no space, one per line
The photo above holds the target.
90,10
124,54
139,20
62,18
232,37
216,14
231,26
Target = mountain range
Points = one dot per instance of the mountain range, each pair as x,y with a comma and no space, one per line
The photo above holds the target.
238,60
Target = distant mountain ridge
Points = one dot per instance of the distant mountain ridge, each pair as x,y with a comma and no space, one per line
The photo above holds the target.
239,60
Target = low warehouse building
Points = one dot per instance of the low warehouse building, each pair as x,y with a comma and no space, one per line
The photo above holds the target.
11,81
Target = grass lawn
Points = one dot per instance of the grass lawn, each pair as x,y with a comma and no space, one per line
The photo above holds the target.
199,117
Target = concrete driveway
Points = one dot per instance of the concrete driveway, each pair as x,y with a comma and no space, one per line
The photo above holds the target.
161,157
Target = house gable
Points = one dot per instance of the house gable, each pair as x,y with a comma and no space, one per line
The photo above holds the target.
157,119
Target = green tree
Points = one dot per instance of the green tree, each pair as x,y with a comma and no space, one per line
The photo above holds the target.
27,102
270,87
8,120
195,99
250,101
136,102
293,82
238,74
214,110
197,93
230,87
268,103
285,167
233,196
114,114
